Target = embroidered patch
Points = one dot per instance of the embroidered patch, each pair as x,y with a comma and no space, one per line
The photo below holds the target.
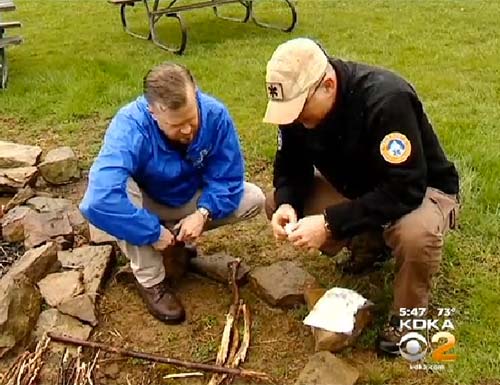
279,140
275,91
395,148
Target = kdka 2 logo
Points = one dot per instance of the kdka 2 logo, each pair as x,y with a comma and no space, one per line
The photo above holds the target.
415,344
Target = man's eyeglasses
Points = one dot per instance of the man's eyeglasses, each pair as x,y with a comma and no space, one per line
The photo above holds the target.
316,88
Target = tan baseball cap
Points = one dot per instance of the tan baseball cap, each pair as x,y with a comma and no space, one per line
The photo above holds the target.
293,69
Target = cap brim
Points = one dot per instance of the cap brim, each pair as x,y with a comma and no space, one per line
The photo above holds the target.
281,112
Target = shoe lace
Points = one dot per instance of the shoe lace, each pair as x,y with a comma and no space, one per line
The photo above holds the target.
160,290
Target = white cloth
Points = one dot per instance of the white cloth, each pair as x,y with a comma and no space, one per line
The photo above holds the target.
336,310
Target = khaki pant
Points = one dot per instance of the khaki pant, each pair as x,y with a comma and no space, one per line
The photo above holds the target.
147,263
416,239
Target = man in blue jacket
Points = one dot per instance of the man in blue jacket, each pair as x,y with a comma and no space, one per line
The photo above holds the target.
171,163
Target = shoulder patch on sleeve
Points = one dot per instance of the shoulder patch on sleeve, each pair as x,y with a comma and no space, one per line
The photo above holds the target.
395,148
279,140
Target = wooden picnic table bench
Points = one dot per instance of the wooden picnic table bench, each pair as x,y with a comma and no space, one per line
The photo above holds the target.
5,41
155,12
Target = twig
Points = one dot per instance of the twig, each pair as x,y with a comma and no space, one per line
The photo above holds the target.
165,360
231,322
242,352
183,375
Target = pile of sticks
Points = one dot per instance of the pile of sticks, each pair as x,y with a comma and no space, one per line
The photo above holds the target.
26,368
75,371
233,350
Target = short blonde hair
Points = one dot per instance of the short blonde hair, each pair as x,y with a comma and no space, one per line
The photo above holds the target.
167,84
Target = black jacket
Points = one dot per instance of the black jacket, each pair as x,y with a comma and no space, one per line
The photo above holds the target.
349,149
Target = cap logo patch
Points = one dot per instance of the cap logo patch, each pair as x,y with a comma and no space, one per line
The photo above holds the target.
395,148
275,91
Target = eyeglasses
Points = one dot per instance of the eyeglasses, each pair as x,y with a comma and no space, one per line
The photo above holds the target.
316,88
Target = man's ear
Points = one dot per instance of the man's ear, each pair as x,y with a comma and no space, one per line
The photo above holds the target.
329,83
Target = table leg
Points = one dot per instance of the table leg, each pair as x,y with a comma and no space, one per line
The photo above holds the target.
288,28
248,7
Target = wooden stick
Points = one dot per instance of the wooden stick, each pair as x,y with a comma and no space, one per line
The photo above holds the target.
164,360
231,322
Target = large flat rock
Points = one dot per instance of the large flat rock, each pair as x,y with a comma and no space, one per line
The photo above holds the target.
82,307
52,320
282,284
46,204
35,263
14,179
20,198
42,227
20,304
324,368
57,288
215,266
60,166
13,224
93,259
18,155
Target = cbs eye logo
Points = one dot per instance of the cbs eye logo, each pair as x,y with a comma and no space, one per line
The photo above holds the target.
413,346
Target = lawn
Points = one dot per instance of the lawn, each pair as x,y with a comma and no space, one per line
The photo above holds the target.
77,67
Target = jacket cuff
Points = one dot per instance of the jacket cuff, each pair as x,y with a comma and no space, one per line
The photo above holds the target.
340,219
285,195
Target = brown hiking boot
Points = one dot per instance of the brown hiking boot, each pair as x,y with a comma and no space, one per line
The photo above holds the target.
390,337
162,303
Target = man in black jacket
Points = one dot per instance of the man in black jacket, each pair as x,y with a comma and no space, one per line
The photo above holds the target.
357,155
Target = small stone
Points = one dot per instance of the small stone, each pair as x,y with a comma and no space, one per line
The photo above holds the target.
57,288
18,155
13,224
41,227
81,307
282,284
324,368
215,266
93,259
35,263
98,237
335,342
20,304
47,205
60,166
20,198
78,223
54,321
14,179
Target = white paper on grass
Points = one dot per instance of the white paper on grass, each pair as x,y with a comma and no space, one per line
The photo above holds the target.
335,311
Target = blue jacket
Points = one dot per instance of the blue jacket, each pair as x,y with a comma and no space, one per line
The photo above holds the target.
135,147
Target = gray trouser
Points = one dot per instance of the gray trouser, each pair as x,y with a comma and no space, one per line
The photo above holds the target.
147,263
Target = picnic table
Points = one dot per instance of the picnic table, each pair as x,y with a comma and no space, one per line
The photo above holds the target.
5,41
155,12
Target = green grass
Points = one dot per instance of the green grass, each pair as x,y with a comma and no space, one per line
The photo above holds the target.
77,67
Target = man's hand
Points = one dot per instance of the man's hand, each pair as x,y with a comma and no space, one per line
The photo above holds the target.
284,215
191,227
310,232
166,239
